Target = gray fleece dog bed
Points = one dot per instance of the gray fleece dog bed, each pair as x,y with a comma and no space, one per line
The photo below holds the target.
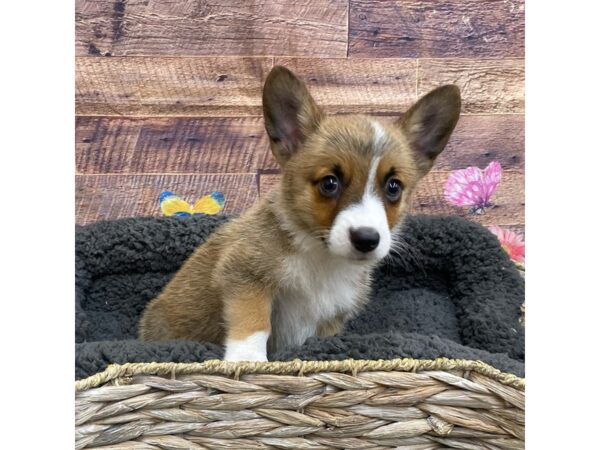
454,294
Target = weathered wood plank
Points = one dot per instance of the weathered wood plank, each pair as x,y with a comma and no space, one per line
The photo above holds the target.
169,145
208,86
429,198
211,27
487,86
477,141
432,28
266,182
233,86
240,145
373,86
102,197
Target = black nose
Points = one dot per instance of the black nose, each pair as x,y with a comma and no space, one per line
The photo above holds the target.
364,239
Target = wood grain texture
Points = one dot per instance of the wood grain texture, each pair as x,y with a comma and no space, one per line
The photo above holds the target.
380,86
266,182
212,86
233,86
177,106
432,28
102,197
487,86
476,141
429,198
210,27
169,145
479,140
509,200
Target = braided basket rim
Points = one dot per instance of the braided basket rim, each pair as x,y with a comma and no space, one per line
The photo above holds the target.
295,367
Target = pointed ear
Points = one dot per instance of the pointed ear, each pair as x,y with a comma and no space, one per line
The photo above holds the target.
429,123
290,113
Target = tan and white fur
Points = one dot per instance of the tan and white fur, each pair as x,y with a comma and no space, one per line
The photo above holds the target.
298,263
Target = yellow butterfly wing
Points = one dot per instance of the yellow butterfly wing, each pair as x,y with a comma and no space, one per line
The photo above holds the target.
172,205
209,204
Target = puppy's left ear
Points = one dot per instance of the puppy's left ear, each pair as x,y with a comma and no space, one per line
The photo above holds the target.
429,123
290,113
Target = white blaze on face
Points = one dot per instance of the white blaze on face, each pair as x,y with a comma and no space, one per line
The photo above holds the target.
379,136
369,212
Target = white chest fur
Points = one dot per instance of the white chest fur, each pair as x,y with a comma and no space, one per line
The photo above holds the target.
315,287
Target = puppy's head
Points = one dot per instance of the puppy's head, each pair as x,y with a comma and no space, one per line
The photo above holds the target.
347,180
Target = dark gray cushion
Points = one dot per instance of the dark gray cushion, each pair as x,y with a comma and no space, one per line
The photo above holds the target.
455,294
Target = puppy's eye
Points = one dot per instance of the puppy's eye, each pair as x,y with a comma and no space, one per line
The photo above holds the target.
393,189
329,186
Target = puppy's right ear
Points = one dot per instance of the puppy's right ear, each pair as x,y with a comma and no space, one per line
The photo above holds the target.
429,123
290,112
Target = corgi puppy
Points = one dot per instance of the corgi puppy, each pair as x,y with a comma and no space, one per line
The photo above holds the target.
298,263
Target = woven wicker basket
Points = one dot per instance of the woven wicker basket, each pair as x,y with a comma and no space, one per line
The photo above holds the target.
402,403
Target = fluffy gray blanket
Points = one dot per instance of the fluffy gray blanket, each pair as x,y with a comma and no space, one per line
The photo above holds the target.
456,294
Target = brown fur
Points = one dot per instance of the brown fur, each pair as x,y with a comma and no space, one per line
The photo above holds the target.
226,289
331,327
224,270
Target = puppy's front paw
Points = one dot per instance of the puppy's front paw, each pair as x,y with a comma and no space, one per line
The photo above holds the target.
252,348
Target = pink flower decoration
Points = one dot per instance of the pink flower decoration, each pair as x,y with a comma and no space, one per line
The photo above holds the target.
473,187
511,242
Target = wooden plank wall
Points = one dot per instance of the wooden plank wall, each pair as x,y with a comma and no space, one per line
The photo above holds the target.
168,93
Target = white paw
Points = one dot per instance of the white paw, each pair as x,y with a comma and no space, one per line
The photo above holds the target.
253,348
